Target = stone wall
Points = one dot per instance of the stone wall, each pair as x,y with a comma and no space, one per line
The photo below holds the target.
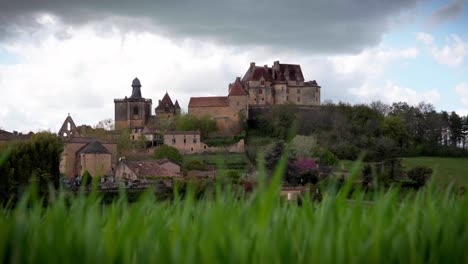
95,164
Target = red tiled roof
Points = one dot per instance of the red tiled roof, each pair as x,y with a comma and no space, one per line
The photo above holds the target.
213,101
149,168
237,89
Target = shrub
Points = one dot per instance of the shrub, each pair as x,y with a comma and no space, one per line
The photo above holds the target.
367,175
168,152
420,175
233,175
196,165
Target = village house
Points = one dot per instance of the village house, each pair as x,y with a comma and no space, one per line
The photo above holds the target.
84,153
189,142
6,137
138,170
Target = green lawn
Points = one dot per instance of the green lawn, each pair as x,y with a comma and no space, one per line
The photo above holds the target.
446,170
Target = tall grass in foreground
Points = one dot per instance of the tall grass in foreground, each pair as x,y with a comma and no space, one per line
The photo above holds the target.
426,228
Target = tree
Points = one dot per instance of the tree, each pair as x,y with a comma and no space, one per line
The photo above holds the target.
456,128
106,124
188,122
303,145
168,152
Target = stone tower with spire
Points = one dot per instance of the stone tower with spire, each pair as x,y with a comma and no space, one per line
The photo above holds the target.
134,111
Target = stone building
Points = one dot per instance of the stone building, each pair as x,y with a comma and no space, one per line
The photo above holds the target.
189,142
135,170
226,110
279,84
134,111
261,87
6,137
95,159
166,109
76,148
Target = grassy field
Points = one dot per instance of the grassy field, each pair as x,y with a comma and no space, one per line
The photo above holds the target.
223,161
427,228
446,170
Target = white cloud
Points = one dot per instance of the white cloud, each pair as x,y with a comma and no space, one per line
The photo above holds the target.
462,90
82,73
451,54
391,92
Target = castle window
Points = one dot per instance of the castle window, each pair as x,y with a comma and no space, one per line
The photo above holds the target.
185,141
262,82
263,99
298,90
287,98
135,110
298,82
237,103
195,140
260,91
287,90
173,141
298,99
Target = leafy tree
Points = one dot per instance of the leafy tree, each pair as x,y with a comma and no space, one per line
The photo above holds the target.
456,128
196,165
168,152
188,122
36,160
303,145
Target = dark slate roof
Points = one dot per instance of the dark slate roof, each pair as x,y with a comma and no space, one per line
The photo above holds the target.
176,105
165,102
213,101
136,91
93,147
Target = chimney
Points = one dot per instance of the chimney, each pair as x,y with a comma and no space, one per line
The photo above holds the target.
238,79
252,65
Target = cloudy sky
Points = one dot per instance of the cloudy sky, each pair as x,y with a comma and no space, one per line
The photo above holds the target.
59,56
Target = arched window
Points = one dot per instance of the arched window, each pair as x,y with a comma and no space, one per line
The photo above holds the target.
135,110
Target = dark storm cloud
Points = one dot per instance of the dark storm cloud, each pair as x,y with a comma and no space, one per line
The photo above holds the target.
319,26
448,12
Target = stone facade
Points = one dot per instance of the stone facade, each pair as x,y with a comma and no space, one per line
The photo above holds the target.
189,142
260,87
72,161
226,110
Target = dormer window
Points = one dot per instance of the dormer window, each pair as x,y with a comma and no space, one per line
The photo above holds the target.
260,91
262,83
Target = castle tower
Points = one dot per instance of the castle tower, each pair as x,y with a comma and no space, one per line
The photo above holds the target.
132,112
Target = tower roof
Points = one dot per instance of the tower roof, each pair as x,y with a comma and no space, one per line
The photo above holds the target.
176,105
93,147
237,89
136,91
165,102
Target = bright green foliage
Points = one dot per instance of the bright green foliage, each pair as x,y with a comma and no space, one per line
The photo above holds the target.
168,152
429,227
303,145
196,165
188,122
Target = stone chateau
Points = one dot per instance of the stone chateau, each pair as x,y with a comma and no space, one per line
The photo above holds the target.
260,87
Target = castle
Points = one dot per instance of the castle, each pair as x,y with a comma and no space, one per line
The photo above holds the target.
261,86
135,112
